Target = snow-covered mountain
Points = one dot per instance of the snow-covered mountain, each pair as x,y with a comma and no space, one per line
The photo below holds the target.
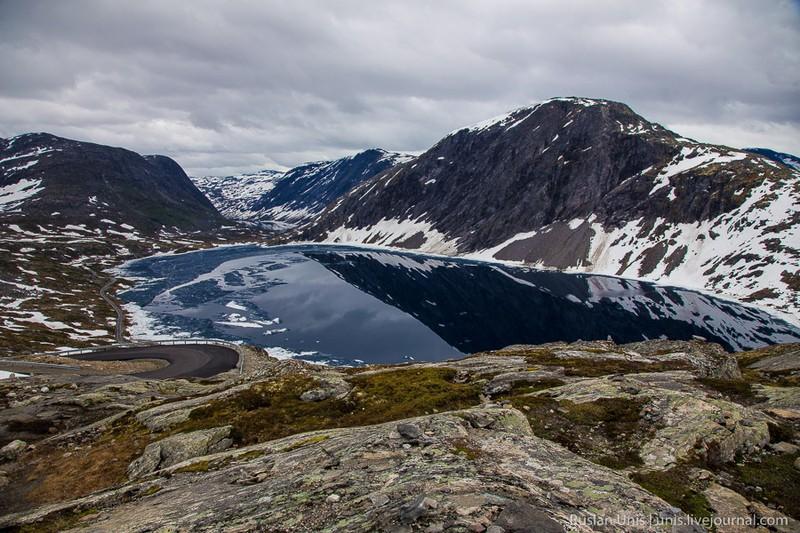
299,194
234,196
588,185
781,157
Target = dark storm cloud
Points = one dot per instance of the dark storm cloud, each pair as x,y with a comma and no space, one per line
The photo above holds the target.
225,86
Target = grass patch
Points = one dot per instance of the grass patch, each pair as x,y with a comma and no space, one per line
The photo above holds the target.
56,474
673,487
273,409
463,448
249,456
777,477
521,388
199,466
608,431
152,490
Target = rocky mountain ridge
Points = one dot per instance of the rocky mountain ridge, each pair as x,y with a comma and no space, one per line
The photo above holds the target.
588,185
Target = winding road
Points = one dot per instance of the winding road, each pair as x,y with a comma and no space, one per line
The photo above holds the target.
184,361
119,328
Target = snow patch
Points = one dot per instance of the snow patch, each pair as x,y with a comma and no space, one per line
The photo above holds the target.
11,196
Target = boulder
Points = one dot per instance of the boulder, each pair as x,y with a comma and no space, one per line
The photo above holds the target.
328,386
179,448
522,517
504,382
12,450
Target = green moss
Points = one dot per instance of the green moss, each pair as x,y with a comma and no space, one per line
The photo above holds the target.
305,442
673,487
465,449
249,456
152,490
273,409
199,466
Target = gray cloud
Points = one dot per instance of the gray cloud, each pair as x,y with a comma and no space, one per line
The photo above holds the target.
229,86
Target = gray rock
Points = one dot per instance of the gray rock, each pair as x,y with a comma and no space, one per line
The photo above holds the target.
329,386
781,362
785,447
524,518
13,449
504,382
378,499
315,395
179,448
417,508
409,431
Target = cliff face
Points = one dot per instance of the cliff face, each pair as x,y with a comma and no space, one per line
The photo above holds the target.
589,185
49,179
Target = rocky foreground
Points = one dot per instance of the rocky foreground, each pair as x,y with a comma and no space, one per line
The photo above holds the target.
590,436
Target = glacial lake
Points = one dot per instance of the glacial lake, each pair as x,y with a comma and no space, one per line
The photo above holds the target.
345,305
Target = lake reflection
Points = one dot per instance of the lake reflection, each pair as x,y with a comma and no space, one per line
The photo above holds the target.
343,304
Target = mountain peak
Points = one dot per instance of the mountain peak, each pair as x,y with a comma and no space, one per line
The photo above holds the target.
568,106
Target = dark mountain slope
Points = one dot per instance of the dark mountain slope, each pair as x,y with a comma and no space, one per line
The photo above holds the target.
49,179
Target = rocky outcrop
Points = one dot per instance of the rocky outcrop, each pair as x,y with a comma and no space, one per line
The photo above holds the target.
507,478
179,448
687,425
559,437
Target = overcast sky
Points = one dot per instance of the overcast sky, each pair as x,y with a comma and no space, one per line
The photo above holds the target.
236,86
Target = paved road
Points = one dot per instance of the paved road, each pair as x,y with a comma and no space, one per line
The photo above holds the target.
196,360
118,330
